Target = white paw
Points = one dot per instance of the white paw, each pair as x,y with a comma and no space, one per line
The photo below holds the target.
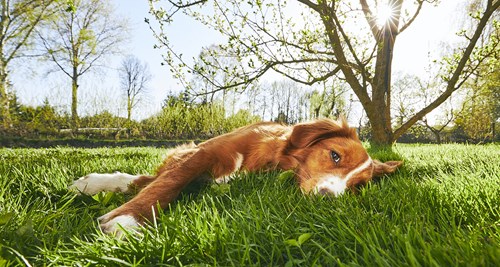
116,225
97,182
224,179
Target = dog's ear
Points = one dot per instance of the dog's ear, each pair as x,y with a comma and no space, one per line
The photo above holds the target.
381,168
309,133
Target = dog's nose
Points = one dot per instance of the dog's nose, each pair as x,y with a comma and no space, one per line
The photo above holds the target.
324,191
327,191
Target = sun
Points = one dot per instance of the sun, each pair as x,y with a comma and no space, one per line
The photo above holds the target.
385,13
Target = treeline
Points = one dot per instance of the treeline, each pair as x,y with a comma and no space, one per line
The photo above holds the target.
179,119
182,118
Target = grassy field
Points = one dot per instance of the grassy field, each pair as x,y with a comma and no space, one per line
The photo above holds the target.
441,209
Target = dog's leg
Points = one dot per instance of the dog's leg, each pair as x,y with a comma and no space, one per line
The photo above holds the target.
170,181
224,172
111,182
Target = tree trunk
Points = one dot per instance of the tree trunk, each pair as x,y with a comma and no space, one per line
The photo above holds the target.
74,103
377,106
129,109
4,99
382,135
493,131
438,137
379,109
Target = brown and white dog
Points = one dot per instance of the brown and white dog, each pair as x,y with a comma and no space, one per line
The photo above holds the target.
326,156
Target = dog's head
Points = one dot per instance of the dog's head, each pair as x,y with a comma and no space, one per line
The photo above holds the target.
329,158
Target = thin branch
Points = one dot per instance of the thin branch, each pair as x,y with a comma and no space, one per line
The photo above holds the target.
420,4
180,5
313,80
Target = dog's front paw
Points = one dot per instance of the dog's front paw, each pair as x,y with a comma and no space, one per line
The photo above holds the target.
87,185
96,182
114,223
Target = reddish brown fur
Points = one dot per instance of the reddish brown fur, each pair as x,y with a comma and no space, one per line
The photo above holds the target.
304,148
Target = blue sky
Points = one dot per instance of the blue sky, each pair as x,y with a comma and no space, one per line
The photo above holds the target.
187,35
99,91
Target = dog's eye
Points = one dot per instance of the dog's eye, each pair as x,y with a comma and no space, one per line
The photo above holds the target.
335,157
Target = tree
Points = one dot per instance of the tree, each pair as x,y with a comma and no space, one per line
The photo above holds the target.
79,38
438,128
17,23
264,38
480,109
410,93
134,77
328,103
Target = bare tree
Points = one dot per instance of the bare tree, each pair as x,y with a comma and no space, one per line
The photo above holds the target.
134,78
79,38
17,23
263,37
329,102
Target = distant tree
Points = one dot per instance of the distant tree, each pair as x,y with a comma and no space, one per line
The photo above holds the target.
47,120
439,128
134,79
405,97
281,118
79,38
287,100
174,99
329,102
410,93
480,109
322,47
17,23
29,120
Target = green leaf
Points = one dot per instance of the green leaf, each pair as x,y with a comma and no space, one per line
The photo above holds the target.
304,237
301,240
26,229
108,197
286,176
292,242
5,218
105,198
221,189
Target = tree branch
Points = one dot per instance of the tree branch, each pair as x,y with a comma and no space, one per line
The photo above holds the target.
370,18
420,3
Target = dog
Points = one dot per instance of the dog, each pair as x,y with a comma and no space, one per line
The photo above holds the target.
325,155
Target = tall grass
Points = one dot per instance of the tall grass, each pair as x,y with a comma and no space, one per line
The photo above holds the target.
180,120
441,209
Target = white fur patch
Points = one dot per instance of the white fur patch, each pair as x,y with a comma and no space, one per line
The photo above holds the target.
336,185
224,179
113,226
97,182
331,185
238,162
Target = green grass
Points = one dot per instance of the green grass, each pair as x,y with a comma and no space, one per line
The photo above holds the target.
441,209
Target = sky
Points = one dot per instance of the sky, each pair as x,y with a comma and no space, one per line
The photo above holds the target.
434,27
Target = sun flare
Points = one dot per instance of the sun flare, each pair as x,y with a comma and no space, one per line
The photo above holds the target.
384,14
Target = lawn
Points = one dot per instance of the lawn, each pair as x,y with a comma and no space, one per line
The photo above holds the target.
441,209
